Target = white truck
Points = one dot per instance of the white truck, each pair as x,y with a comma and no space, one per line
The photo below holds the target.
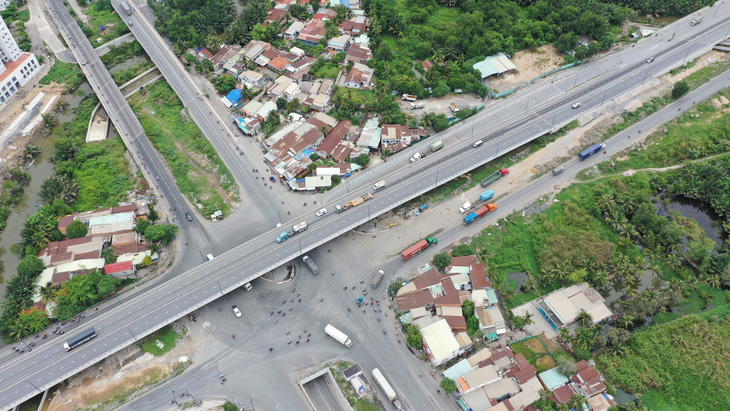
380,184
467,206
338,335
415,157
409,97
417,105
311,265
389,392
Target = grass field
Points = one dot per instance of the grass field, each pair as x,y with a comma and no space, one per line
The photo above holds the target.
535,353
167,336
199,172
328,70
64,73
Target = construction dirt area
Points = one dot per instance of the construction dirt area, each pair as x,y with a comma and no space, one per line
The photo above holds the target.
530,64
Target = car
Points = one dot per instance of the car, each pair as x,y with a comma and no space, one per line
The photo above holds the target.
321,212
247,286
129,22
83,63
273,180
576,105
236,311
650,59
189,216
477,144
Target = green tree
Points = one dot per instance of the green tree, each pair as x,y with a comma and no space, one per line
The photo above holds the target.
30,266
47,293
76,229
142,224
680,88
362,160
33,320
108,256
567,366
281,102
83,291
161,233
147,261
442,260
59,186
463,250
414,338
153,214
448,385
584,318
225,83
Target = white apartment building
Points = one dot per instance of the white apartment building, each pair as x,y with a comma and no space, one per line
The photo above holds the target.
16,67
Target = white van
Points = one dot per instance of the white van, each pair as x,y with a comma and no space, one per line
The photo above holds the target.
209,257
477,144
380,184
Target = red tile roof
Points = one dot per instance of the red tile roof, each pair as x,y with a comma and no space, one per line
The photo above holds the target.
124,209
118,267
279,63
335,136
428,279
59,278
11,66
220,54
414,300
67,256
479,277
464,261
89,255
451,296
563,394
341,152
457,324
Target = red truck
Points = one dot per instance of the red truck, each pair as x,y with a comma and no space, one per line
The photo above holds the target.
413,250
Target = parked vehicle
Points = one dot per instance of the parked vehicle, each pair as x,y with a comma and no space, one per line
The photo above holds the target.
413,250
415,106
338,335
387,389
591,151
321,212
479,213
236,311
310,264
437,146
127,8
354,203
209,257
558,170
272,179
377,279
409,97
247,286
453,108
487,195
494,176
423,207
82,338
466,207
296,229
380,184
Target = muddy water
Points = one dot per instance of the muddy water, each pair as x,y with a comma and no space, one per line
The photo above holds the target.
704,216
39,171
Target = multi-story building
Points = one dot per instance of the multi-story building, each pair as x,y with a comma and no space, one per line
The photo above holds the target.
16,67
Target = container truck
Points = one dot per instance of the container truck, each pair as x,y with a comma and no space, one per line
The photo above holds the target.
494,176
417,106
82,338
409,97
413,250
466,207
338,335
296,229
487,195
591,151
380,184
479,213
354,203
437,146
127,8
377,279
311,265
415,157
387,389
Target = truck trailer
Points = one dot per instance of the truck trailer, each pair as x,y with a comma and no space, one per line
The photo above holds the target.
296,229
479,213
338,335
487,195
437,146
354,203
415,106
591,151
127,8
377,279
387,389
82,338
494,176
311,265
413,250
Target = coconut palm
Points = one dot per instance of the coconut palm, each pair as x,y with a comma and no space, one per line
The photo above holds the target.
584,319
584,338
625,321
19,330
576,401
47,293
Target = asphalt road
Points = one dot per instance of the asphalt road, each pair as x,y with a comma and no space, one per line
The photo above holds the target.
24,376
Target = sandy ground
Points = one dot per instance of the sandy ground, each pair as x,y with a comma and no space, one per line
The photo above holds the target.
530,64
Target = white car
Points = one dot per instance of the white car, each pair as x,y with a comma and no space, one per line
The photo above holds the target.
236,311
576,105
247,286
321,212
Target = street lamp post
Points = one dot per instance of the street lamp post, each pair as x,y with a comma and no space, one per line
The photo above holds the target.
252,407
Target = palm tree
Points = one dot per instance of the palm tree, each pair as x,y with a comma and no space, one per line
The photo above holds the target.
564,334
584,318
625,321
47,293
61,105
576,401
584,338
49,121
19,330
605,202
527,319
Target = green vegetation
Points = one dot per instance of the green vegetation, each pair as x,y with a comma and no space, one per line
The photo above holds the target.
680,88
350,101
101,13
199,172
122,52
83,291
325,69
64,73
681,364
695,135
123,76
166,335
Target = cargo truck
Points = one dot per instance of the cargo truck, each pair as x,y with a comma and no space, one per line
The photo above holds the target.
387,389
494,176
417,106
413,250
380,184
466,207
82,338
487,195
127,8
437,146
377,279
338,335
311,265
409,97
296,229
453,107
354,203
591,151
415,157
479,213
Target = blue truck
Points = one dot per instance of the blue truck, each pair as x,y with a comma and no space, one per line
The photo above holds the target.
486,195
591,151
